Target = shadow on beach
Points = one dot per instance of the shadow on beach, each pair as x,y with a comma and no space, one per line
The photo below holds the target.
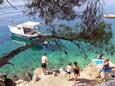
84,82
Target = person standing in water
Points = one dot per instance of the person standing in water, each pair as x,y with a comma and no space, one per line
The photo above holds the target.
44,62
76,71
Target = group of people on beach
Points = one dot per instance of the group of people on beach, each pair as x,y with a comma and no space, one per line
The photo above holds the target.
104,70
75,68
68,68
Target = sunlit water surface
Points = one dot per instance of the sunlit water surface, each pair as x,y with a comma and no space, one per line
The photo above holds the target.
31,58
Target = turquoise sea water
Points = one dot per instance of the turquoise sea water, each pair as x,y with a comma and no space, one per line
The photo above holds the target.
31,58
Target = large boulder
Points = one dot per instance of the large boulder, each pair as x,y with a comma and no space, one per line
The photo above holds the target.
4,81
3,78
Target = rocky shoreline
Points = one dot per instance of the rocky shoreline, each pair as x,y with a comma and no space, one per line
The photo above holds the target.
52,78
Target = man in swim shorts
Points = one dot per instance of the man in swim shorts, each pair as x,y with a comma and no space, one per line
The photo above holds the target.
44,62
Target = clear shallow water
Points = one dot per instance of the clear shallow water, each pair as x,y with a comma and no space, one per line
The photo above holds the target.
31,58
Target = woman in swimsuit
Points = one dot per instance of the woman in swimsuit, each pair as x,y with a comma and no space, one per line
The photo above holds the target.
68,71
106,70
76,71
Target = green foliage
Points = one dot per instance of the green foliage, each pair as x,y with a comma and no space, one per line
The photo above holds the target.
51,9
103,34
